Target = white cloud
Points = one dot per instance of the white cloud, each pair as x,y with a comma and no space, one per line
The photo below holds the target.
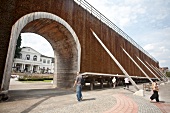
38,43
160,51
149,47
162,61
122,13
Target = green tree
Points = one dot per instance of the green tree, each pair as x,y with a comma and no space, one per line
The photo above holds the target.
168,74
18,47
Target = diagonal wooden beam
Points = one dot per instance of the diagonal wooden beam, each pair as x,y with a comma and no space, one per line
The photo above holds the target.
154,70
115,60
137,65
147,67
161,73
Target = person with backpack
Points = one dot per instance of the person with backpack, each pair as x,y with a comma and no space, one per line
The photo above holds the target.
78,84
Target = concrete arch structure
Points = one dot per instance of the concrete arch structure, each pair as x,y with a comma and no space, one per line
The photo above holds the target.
66,45
71,21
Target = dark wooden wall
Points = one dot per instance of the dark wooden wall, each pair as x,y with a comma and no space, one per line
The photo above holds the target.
93,58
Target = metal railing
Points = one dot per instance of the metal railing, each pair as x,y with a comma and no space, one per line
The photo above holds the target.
105,20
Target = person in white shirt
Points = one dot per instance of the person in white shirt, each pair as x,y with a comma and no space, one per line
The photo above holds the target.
126,83
114,82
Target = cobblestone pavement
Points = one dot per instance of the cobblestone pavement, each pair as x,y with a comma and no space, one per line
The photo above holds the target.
42,98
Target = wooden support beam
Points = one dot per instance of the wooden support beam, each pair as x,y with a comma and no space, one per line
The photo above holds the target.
147,67
116,61
161,73
155,71
137,65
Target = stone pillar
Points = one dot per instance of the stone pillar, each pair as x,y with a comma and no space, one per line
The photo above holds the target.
36,68
65,80
109,83
31,68
101,83
92,83
14,65
23,67
55,70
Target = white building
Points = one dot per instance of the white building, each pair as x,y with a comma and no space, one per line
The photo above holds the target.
32,61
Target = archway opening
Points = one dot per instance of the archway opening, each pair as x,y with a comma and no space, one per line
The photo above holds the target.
62,38
34,64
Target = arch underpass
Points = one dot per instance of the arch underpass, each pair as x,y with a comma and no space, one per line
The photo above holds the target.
62,38
67,25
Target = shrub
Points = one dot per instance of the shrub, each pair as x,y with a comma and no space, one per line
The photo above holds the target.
168,74
34,78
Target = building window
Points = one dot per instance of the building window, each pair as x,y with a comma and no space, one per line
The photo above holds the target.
48,62
40,60
27,57
35,58
44,61
20,56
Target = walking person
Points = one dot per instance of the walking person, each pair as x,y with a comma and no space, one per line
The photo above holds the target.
155,94
78,85
114,82
126,83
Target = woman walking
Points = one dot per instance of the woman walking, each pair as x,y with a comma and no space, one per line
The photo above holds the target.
155,94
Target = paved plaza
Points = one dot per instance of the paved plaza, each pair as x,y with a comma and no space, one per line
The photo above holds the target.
43,98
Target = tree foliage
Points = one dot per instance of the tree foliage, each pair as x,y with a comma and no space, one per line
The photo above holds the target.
18,47
168,74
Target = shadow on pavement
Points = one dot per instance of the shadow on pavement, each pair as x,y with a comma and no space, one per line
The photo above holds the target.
35,105
89,99
15,95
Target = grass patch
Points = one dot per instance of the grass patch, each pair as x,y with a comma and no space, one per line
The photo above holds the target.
35,78
47,80
24,81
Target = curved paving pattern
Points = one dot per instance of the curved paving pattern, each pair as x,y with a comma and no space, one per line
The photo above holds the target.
124,105
144,105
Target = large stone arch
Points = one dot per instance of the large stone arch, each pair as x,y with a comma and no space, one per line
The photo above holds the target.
64,41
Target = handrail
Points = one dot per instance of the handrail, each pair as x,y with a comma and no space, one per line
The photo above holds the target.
109,23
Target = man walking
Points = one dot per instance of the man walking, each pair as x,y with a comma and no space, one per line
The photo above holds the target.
126,83
78,85
114,82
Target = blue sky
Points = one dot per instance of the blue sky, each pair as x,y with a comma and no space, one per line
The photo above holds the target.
147,22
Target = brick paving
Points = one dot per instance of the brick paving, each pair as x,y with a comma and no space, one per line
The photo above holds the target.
164,107
124,105
42,98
